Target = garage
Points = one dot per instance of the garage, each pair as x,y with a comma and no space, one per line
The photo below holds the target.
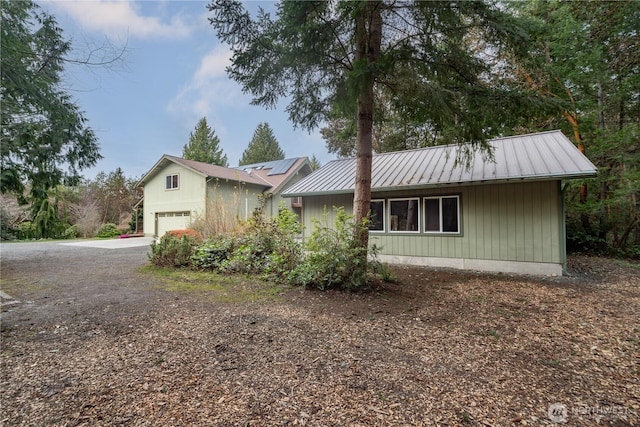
166,221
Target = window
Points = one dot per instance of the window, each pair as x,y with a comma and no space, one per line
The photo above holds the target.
403,215
377,215
442,214
172,182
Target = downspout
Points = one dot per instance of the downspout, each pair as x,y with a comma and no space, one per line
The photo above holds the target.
206,195
563,228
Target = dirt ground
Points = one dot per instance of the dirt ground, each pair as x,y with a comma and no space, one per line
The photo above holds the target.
97,341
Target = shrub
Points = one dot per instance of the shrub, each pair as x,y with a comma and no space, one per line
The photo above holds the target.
108,230
265,245
261,245
26,230
171,251
214,253
334,257
71,232
6,230
186,232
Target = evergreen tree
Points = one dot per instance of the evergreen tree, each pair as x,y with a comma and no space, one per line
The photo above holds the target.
315,164
434,59
584,60
44,138
204,146
263,147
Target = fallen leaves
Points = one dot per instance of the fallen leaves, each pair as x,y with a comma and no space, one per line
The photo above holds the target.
457,349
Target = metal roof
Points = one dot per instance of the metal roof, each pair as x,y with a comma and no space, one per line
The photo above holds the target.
537,156
278,167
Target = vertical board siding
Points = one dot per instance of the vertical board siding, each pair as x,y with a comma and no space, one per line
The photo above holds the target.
511,222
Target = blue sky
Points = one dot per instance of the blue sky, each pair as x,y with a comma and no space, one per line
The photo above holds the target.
171,76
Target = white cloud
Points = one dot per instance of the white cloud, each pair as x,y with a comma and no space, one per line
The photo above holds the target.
122,18
209,90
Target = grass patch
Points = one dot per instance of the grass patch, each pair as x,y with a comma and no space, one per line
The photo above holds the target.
20,286
229,288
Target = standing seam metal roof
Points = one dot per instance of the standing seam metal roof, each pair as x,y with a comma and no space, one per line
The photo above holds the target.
538,156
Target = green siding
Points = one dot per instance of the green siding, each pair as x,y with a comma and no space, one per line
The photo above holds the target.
511,222
235,199
189,196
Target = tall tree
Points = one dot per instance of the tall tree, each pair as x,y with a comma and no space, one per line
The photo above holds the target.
44,138
583,59
315,163
204,146
263,147
433,59
114,195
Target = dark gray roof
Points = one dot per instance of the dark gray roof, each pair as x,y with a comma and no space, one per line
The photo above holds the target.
538,156
278,167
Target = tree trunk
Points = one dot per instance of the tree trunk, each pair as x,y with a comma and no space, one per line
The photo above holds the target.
368,37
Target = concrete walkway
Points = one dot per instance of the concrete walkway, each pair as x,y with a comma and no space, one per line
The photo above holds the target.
130,242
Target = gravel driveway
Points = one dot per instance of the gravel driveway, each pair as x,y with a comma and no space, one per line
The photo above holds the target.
57,281
94,341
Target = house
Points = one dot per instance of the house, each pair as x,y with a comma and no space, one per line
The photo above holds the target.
178,191
505,215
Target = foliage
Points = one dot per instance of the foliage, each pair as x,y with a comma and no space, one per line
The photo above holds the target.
136,220
114,195
331,255
263,147
266,245
44,137
430,59
171,251
108,230
214,253
314,163
582,60
71,232
193,234
221,216
204,146
7,232
46,223
26,230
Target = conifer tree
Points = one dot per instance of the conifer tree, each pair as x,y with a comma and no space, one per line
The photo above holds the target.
204,146
263,147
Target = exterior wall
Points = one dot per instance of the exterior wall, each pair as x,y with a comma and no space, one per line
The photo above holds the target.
232,198
189,196
273,205
514,227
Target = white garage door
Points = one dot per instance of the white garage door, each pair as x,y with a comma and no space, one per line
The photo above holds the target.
172,221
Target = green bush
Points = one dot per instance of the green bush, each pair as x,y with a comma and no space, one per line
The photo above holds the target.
214,253
264,246
171,251
6,231
71,232
108,230
26,230
334,258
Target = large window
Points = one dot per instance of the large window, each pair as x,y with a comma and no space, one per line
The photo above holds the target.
403,215
377,215
172,182
442,214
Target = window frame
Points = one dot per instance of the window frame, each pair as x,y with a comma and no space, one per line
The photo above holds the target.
171,176
440,215
419,219
384,214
